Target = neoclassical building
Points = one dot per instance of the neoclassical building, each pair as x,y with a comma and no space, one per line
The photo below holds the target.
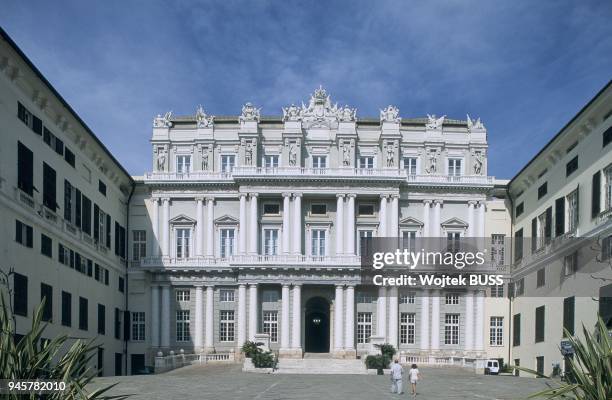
252,224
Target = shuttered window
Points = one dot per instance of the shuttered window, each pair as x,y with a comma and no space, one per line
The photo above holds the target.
25,169
539,324
596,194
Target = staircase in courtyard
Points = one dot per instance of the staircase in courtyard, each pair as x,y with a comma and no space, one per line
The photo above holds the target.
320,364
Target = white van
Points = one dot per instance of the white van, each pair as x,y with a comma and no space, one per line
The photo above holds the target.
491,367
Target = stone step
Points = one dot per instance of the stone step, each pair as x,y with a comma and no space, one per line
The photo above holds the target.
320,366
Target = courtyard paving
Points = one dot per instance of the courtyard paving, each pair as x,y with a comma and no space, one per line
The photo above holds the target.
221,382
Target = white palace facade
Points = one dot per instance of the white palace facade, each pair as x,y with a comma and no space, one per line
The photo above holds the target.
251,225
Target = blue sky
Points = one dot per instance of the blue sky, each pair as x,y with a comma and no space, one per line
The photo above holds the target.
524,67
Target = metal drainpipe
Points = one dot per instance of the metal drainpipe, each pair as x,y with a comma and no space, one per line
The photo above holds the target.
125,279
511,260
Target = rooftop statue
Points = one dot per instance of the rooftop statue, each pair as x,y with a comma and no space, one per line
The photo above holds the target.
249,113
474,124
390,114
434,123
202,119
163,121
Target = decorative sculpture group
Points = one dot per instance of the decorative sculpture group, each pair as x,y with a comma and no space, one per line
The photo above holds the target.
434,123
390,114
163,121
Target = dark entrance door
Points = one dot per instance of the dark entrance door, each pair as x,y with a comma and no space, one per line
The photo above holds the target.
138,364
317,326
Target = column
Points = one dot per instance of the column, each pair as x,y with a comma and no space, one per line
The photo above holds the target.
199,239
435,321
296,334
435,231
210,228
394,227
166,228
165,316
209,335
393,316
339,224
297,223
155,226
481,219
154,316
350,225
471,232
286,232
198,339
469,321
381,313
242,241
426,221
479,336
425,320
252,311
349,330
338,320
284,333
241,314
382,225
253,224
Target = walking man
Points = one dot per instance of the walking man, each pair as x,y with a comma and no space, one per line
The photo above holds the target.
396,377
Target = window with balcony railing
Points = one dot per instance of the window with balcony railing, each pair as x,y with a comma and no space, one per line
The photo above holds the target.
183,164
410,165
271,161
183,242
366,162
454,167
227,162
317,240
227,242
270,242
319,162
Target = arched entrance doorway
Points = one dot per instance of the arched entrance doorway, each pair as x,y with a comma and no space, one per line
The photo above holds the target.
317,326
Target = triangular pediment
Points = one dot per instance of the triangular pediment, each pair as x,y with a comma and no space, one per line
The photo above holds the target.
226,219
411,221
455,222
182,219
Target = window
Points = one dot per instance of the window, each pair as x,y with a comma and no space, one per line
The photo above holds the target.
318,209
183,164
100,361
572,211
539,324
83,314
23,114
86,215
451,299
319,161
271,208
270,242
454,167
139,244
183,237
540,364
100,228
37,125
68,201
46,245
541,230
596,194
365,209
518,245
117,323
407,328
25,169
69,157
366,162
497,291
571,166
66,309
270,325
102,187
542,190
101,319
365,240
497,249
519,287
54,142
606,248
138,326
516,330
121,284
226,295
271,161
269,296
496,331
453,241
226,326
227,163
570,264
520,208
182,325
451,329
410,165
541,277
318,242
227,242
607,137
364,327
46,294
183,295
407,298
608,187
20,294
106,277
24,234
568,315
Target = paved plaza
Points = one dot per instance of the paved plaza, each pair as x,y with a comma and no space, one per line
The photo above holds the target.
229,382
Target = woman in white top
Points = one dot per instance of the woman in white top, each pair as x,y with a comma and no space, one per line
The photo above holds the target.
414,376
